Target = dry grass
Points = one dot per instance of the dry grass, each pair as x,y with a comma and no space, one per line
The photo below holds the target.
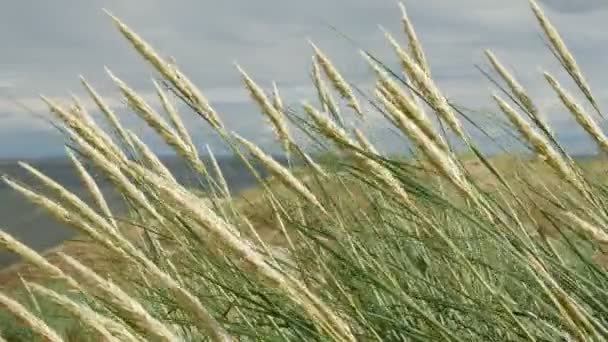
253,204
362,246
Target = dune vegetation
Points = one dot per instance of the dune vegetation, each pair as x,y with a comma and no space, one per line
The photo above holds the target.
343,244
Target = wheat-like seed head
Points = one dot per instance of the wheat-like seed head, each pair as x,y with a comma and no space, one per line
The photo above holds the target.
337,134
175,273
386,178
205,320
114,173
341,137
517,89
108,113
198,211
319,84
596,234
328,104
145,111
562,51
186,88
541,145
364,142
179,194
436,100
122,182
68,217
120,299
337,80
84,314
10,243
413,42
439,158
150,158
83,130
313,164
574,332
328,127
119,330
38,326
578,313
70,199
30,294
80,113
154,120
406,103
275,116
281,173
384,92
174,117
277,102
219,173
520,94
95,132
92,187
579,113
572,312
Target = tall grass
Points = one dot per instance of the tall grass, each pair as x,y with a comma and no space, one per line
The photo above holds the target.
353,246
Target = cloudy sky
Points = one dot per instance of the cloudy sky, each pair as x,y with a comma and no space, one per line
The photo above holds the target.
46,45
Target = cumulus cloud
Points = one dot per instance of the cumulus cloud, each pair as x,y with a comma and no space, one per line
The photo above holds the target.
53,42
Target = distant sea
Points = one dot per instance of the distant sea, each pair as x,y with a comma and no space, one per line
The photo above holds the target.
38,230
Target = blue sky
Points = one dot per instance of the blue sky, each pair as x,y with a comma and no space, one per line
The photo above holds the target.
48,44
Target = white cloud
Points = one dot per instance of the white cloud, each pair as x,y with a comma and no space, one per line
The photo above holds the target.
52,43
